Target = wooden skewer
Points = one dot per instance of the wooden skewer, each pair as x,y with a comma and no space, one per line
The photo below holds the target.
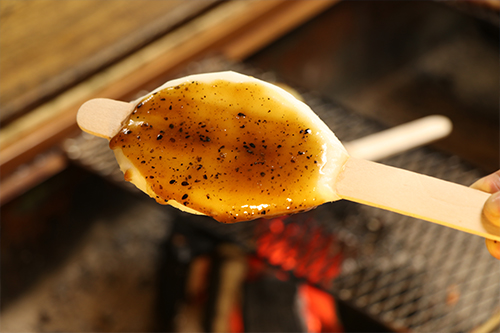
400,138
362,181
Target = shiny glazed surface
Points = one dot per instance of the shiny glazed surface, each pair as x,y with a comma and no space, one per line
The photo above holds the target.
233,151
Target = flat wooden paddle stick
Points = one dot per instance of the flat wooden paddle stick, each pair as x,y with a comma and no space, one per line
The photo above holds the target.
413,194
408,193
103,117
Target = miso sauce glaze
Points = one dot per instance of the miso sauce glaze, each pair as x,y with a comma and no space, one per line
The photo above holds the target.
228,150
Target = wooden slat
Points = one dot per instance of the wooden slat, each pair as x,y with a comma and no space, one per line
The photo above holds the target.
296,13
44,54
37,172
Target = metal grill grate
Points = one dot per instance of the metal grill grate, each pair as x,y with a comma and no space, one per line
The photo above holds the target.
402,271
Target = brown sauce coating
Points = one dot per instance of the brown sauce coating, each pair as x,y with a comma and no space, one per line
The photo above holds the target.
228,150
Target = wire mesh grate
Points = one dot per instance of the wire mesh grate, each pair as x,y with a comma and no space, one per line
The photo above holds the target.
404,272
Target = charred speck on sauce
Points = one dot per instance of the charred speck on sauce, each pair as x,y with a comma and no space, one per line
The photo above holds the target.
236,181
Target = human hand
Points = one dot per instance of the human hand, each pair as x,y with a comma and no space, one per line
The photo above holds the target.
491,210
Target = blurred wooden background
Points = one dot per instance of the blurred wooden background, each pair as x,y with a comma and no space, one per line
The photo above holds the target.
48,46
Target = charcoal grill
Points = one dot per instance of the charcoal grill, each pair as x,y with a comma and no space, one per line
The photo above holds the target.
404,273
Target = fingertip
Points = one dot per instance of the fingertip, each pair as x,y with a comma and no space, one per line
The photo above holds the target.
492,208
490,183
493,247
479,185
